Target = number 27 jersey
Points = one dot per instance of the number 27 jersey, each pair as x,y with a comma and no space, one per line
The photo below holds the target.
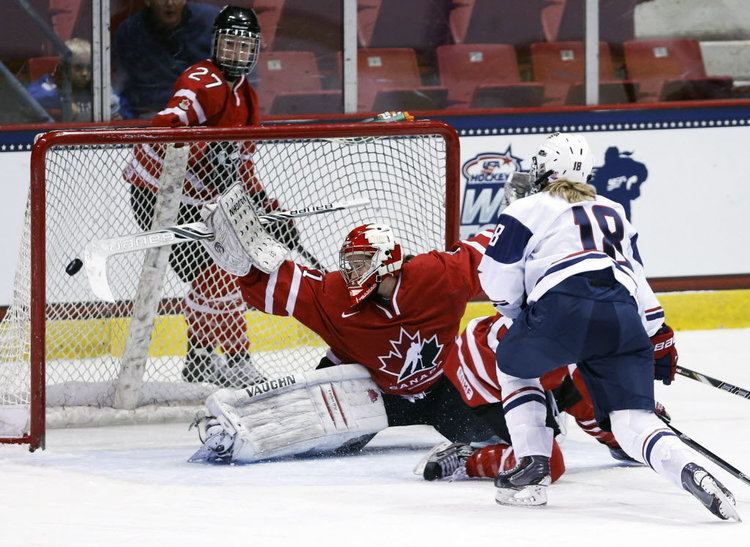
542,240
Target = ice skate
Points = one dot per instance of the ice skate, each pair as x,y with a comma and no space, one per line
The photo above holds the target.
446,461
526,484
217,442
710,492
199,367
237,371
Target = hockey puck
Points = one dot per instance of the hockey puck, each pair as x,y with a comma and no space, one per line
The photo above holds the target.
74,266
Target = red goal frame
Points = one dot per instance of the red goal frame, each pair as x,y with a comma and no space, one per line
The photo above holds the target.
36,436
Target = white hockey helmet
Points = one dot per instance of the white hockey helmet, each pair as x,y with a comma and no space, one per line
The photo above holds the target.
562,156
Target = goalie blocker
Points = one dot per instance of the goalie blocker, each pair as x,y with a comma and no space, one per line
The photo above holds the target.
304,413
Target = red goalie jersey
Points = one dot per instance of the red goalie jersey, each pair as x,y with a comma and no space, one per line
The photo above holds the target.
203,97
404,342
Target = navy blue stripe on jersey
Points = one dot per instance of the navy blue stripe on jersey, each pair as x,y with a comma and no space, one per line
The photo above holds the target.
651,442
509,241
634,246
518,401
655,315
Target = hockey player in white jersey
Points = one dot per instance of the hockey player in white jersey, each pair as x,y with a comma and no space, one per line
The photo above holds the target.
564,263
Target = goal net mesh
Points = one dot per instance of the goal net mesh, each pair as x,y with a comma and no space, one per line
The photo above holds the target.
103,190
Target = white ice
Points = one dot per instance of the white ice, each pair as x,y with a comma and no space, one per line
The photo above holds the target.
131,485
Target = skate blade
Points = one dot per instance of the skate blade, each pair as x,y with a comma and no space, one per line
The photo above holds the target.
529,496
205,455
727,507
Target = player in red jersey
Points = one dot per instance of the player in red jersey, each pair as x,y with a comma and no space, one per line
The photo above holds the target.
400,319
213,92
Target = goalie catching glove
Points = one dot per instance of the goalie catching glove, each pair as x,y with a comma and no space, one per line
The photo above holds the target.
240,240
305,413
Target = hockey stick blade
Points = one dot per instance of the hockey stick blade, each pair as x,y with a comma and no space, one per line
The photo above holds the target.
97,251
713,382
726,466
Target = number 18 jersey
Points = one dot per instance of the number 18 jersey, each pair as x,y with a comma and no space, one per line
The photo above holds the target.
542,239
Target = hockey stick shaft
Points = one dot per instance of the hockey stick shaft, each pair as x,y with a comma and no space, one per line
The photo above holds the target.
97,252
195,231
719,384
726,466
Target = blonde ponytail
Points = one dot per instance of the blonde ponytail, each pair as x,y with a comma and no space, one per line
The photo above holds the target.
572,192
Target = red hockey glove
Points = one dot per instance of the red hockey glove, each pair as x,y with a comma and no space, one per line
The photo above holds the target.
665,354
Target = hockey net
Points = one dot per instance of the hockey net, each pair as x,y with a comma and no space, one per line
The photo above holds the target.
63,349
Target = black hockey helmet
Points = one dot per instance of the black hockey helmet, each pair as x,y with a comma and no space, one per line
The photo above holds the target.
235,41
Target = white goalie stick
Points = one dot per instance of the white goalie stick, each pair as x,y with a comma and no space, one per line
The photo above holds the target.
97,251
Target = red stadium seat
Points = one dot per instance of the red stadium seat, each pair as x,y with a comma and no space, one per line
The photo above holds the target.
610,92
367,15
21,38
320,102
653,62
421,25
558,65
39,66
564,20
269,13
389,75
464,67
286,72
507,95
515,22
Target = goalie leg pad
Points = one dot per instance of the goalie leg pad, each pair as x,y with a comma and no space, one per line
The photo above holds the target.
314,416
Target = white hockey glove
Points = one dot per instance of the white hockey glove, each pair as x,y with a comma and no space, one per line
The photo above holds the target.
240,241
308,413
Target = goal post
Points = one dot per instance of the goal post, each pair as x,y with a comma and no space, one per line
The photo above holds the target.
62,350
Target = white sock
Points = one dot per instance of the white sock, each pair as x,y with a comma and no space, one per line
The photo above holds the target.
525,408
645,438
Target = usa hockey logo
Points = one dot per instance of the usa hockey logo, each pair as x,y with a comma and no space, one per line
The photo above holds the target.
415,358
620,178
485,175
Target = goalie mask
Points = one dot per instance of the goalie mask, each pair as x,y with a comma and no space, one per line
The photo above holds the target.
561,156
369,253
235,41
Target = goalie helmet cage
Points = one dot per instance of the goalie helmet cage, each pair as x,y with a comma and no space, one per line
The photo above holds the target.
61,350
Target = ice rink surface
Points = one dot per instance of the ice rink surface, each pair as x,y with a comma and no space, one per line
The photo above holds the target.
131,485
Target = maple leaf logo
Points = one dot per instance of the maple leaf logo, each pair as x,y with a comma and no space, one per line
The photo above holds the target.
411,355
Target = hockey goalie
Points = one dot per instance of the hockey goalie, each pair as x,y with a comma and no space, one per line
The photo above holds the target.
378,298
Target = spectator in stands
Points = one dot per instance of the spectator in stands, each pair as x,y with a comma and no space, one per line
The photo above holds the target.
154,46
46,90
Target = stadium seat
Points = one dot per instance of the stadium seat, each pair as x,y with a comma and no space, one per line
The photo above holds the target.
523,94
269,13
320,102
515,22
558,65
389,79
39,66
313,26
421,25
564,20
654,62
464,67
21,38
610,92
286,72
367,14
